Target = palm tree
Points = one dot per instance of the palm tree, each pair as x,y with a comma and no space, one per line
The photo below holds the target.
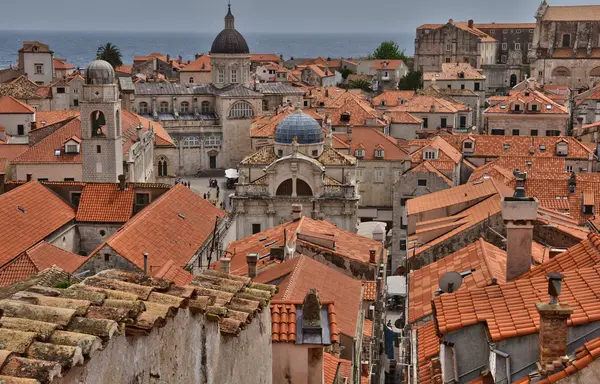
110,53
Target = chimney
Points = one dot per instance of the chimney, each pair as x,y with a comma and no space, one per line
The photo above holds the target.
372,256
519,213
364,368
145,263
225,263
29,176
379,233
553,326
572,183
180,58
196,56
311,317
296,211
252,260
168,58
470,23
138,129
121,182
2,182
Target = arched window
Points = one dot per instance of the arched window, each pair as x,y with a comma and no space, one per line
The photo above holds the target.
164,107
162,167
98,123
595,72
143,107
191,80
286,188
561,71
566,40
302,188
191,141
118,122
184,107
241,110
205,107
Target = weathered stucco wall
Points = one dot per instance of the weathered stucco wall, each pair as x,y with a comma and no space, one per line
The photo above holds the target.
189,349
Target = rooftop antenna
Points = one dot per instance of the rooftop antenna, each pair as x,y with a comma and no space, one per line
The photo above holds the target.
450,282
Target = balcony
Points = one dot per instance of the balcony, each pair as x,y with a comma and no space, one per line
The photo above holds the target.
252,190
339,191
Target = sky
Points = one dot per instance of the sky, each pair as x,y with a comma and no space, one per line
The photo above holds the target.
275,16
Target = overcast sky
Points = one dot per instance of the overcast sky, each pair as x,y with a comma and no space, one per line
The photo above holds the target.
260,15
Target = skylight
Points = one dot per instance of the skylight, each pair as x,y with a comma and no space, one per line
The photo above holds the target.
57,152
549,106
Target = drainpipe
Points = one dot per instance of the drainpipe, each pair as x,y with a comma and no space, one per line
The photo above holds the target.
455,368
506,357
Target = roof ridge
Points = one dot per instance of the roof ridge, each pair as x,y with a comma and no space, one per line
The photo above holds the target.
293,275
483,244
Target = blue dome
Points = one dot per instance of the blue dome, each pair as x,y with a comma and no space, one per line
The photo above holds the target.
304,128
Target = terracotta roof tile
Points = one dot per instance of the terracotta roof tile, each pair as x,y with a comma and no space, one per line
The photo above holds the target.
429,104
8,152
487,262
402,117
509,309
369,139
105,203
174,227
331,156
20,268
330,368
332,285
392,97
124,69
46,118
200,64
370,292
283,320
505,26
44,255
44,150
23,89
10,105
455,71
428,348
33,212
97,325
386,64
572,13
358,110
428,166
62,64
525,97
264,57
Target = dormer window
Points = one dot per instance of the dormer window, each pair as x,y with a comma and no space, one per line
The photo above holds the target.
468,146
507,147
534,108
345,117
383,103
429,155
379,153
360,153
517,107
72,146
562,149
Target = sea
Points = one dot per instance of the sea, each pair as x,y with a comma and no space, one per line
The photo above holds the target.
79,48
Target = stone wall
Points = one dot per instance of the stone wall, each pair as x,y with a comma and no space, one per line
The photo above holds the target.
68,238
189,349
349,267
93,234
526,123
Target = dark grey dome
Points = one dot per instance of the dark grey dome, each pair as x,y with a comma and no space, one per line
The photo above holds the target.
99,72
229,40
299,125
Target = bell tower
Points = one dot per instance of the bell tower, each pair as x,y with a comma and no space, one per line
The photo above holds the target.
101,144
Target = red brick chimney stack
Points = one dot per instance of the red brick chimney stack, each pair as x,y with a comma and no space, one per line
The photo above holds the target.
252,260
553,326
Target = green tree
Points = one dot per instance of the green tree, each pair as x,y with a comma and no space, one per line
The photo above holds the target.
345,72
110,53
365,85
412,81
391,51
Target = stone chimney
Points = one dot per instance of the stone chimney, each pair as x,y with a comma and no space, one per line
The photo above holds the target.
519,213
252,260
372,256
138,129
296,211
470,23
572,183
379,233
553,326
225,264
29,176
121,182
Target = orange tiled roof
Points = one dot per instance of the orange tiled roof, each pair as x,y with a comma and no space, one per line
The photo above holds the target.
454,71
332,285
368,139
509,310
429,104
44,150
10,105
283,321
359,110
392,97
402,117
572,13
370,292
62,64
386,64
9,152
173,227
583,356
46,118
526,97
428,347
505,26
264,57
427,166
487,262
20,268
447,153
461,25
124,69
330,368
105,203
44,255
200,64
42,212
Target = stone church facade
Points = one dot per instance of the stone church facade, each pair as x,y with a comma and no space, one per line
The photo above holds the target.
566,45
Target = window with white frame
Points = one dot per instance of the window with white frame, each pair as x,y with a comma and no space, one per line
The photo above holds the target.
359,153
518,31
212,141
234,76
379,175
517,46
359,174
504,46
397,175
221,76
379,153
39,69
569,168
143,107
241,110
191,141
429,155
164,107
184,107
205,107
448,47
72,148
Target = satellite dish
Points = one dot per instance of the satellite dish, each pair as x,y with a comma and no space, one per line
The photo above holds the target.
450,282
399,324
